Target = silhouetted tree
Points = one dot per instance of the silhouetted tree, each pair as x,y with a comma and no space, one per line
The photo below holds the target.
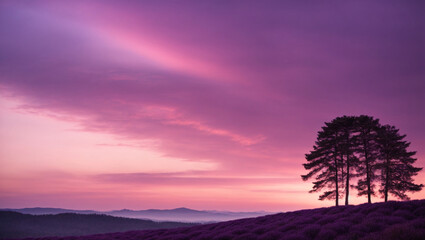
347,148
324,162
367,150
396,164
332,153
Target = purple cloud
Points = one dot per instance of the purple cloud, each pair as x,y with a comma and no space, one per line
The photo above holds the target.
265,75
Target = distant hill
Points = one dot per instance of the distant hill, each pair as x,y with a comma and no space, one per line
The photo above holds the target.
175,215
184,215
44,211
18,225
384,221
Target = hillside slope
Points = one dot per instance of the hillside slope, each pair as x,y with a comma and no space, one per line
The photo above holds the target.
392,220
18,225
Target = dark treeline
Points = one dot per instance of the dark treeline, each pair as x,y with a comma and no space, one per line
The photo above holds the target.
360,148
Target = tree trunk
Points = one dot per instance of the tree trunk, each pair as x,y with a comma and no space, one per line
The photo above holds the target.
369,199
387,179
336,181
342,170
336,172
347,183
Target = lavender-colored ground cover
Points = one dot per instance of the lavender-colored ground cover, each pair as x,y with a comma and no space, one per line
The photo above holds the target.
392,220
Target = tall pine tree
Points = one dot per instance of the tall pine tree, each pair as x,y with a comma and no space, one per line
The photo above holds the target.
367,151
347,147
323,162
396,164
332,159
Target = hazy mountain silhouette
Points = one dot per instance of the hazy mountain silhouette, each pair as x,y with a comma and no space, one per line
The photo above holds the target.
184,215
43,211
18,225
178,214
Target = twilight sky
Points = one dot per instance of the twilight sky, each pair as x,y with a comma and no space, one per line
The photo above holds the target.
202,104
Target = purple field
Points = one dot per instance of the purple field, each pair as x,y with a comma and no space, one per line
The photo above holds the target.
392,220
